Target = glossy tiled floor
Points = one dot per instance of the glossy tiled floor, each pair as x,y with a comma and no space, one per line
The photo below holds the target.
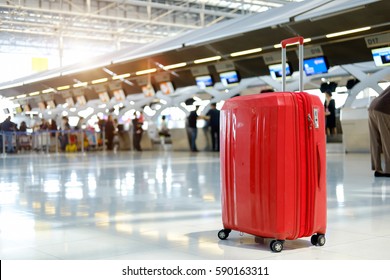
165,205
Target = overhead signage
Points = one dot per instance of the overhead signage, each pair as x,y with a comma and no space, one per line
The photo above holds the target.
162,77
142,81
78,92
115,85
199,70
66,94
272,58
100,88
312,51
224,66
377,40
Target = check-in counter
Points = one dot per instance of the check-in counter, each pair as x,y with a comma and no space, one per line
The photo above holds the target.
356,137
146,142
180,139
124,140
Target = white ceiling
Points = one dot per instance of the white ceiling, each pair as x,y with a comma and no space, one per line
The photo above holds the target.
55,26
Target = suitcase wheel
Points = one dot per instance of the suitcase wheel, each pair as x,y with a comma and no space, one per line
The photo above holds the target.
276,246
224,233
318,240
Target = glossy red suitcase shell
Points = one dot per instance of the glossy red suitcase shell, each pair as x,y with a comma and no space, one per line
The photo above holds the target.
273,166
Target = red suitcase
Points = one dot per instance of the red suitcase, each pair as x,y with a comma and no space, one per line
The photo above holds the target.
273,165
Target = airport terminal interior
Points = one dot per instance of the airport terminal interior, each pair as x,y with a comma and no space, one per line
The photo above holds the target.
102,76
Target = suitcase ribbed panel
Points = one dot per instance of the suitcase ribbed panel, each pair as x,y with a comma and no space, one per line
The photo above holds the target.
260,180
273,172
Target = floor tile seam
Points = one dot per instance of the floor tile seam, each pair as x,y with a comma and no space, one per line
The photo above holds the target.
47,253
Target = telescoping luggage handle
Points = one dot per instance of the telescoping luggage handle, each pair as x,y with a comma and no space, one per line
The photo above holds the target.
284,44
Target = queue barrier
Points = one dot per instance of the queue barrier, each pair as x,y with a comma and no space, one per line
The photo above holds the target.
51,140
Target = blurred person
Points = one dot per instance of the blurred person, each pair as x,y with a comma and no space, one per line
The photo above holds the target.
101,124
110,129
137,131
80,124
23,140
379,127
23,127
53,127
192,128
8,128
64,136
330,113
44,125
163,131
212,117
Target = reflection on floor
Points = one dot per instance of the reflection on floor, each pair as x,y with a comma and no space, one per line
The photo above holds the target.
165,205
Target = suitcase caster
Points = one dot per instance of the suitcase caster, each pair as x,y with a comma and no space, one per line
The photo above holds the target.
276,246
318,240
224,233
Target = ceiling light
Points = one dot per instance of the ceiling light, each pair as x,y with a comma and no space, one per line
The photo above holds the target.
173,66
147,71
80,84
34,93
11,98
246,52
306,40
48,90
348,32
21,96
98,81
120,77
207,59
63,88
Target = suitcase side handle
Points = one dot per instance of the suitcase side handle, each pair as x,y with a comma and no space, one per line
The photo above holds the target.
319,167
284,43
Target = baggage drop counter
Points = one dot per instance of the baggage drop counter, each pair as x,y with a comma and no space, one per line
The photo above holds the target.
180,140
356,136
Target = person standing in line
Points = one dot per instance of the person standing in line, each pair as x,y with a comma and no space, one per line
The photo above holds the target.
137,132
212,117
53,128
8,127
379,127
64,136
193,130
330,113
164,131
109,129
23,126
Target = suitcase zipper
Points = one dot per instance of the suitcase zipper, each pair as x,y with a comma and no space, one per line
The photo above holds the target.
309,165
